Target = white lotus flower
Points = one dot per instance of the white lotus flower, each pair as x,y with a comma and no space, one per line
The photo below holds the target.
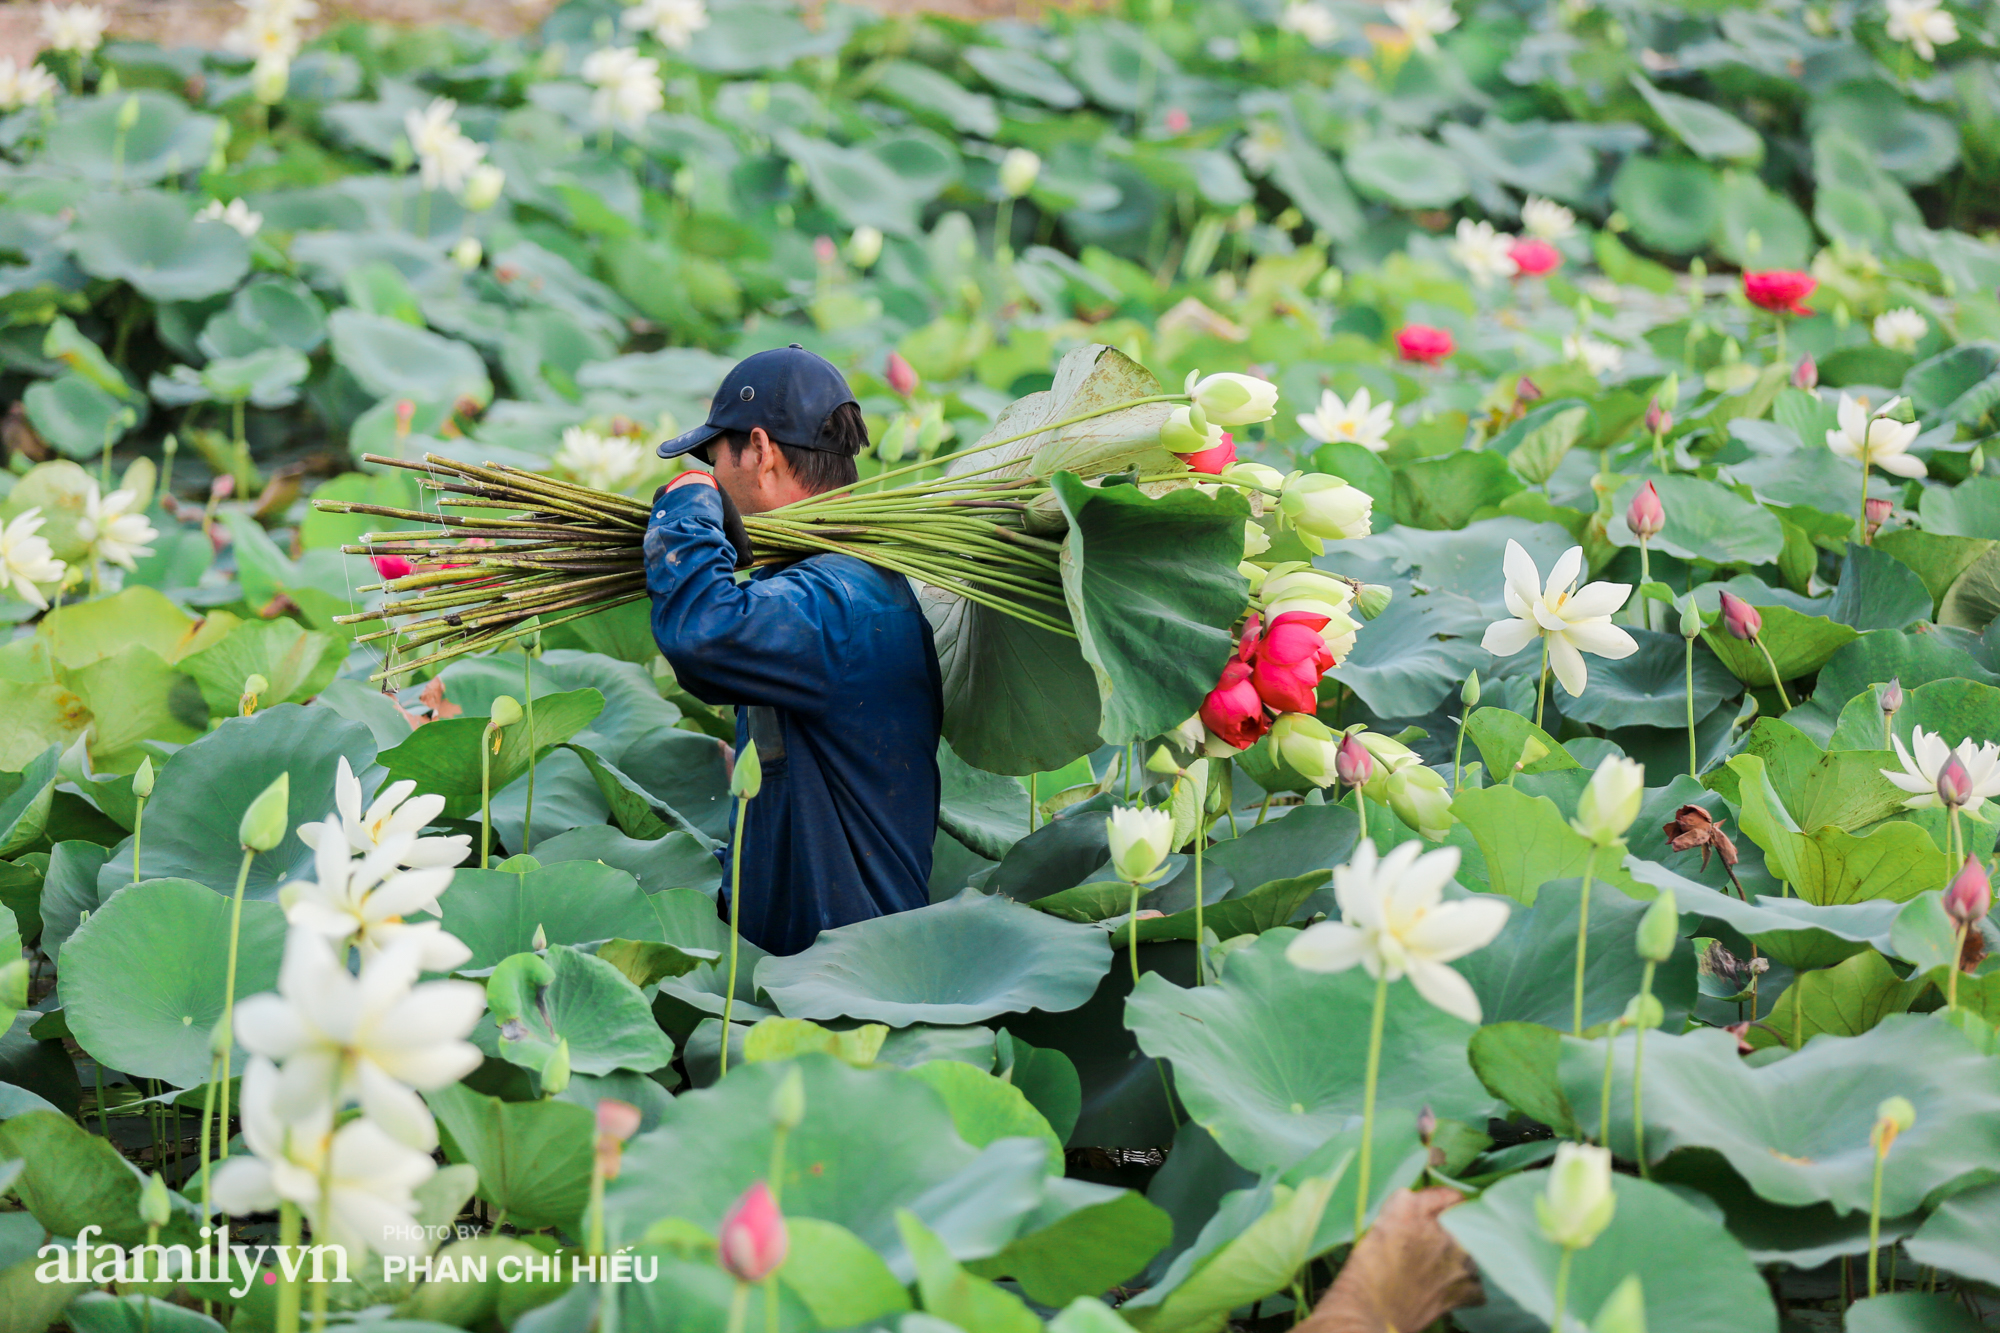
673,23
235,214
1310,20
601,462
1923,24
1358,420
483,185
1578,1203
1395,922
1140,840
394,819
1020,168
1877,440
114,528
628,85
78,28
369,1038
370,1205
25,558
445,156
1919,774
1483,252
1598,356
1422,20
1574,620
1899,329
264,33
25,85
1611,802
1546,218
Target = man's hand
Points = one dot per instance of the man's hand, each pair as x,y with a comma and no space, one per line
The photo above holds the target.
732,521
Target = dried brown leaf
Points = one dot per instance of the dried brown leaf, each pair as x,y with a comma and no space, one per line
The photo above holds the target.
1406,1273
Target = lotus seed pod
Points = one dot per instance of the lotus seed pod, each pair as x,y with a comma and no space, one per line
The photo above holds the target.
1373,599
506,712
555,1070
746,778
1894,1116
1659,928
788,1101
142,779
264,824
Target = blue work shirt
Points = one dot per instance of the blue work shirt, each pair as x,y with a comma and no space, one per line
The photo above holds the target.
830,666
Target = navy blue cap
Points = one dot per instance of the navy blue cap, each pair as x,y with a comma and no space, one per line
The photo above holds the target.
790,392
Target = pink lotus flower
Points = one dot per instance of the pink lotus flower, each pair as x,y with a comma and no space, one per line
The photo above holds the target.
753,1242
1424,343
616,1122
1970,896
1352,763
1177,121
1658,420
393,566
1740,618
902,376
1212,461
1646,516
1233,710
1780,290
1533,257
1806,374
1290,658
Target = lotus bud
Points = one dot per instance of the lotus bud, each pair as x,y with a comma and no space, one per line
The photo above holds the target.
1325,508
1372,599
616,1122
540,939
825,251
1256,541
1427,1124
1646,516
1876,512
1659,928
142,780
1468,693
1624,1310
1018,172
221,1037
746,778
128,114
468,254
264,824
752,1242
1187,431
1806,374
1894,1116
155,1208
270,77
406,415
253,686
1970,896
1140,840
506,712
1658,419
1421,798
1163,762
788,1101
1611,802
1690,618
555,1069
483,187
1890,700
1526,390
1304,743
902,376
1954,784
1352,763
1233,400
1577,1203
1740,618
864,246
1644,1011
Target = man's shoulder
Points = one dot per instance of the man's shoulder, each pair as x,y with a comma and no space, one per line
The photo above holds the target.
859,583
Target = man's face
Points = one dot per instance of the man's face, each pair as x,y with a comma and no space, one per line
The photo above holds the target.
756,477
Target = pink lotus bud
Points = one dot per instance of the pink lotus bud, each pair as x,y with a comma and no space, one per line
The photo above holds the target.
1740,618
406,412
1526,390
393,566
1177,121
1891,698
222,487
1212,461
1876,513
616,1122
1646,516
1970,896
1533,257
1352,763
1658,420
1954,784
1427,1123
902,376
1806,374
825,250
753,1241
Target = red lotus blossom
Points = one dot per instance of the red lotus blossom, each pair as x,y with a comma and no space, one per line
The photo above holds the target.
752,1242
1233,709
393,566
1424,343
1290,659
1533,257
1779,289
902,376
1212,460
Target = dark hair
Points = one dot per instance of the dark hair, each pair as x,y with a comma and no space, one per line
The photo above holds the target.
819,469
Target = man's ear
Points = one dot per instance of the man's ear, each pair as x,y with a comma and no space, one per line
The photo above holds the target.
769,460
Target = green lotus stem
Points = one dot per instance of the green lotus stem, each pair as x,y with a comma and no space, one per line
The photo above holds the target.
1003,231
1638,1070
486,796
739,1306
207,1112
528,705
1643,604
288,1288
1562,1289
227,1027
138,832
1034,801
1694,756
1776,683
1132,932
1200,932
103,1112
1952,969
1458,755
1542,683
735,935
1875,1214
594,1233
1582,938
1368,1105
1864,498
1604,1100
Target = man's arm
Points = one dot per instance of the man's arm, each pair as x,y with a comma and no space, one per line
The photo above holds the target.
767,642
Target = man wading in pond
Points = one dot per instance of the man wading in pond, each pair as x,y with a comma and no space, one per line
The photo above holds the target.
828,660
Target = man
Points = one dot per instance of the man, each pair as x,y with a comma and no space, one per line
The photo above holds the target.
828,661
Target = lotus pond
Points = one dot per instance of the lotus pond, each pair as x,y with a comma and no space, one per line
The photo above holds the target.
1499,842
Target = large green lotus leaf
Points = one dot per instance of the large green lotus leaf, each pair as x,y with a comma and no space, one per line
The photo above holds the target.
1958,1237
1938,558
497,913
985,1108
963,960
1672,205
1798,643
34,717
1654,1234
1527,974
1797,1129
1896,860
75,415
685,771
135,698
534,1158
143,981
392,359
69,890
75,1178
1517,1062
1857,200
1649,688
873,1141
1844,788
1935,388
272,312
1445,493
1915,146
24,802
1503,737
634,809
1309,178
1957,710
674,861
1882,655
152,241
1415,654
1526,841
1083,1240
1705,520
165,139
1270,1058
1878,591
204,787
1465,561
1153,589
569,996
1791,931
1254,1253
296,662
1023,74
1406,172
1911,1312
1845,1000
141,617
1803,1238
1091,378
1756,226
1117,65
320,582
97,1312
1263,908
633,707
1531,155
1709,132
444,757
986,812
854,184
932,94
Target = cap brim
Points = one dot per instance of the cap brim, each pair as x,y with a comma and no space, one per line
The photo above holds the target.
687,441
